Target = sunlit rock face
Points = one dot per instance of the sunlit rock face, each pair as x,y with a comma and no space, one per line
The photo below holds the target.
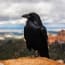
31,61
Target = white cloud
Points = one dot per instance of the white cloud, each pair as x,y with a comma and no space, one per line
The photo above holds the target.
10,9
24,0
13,22
58,11
9,30
50,9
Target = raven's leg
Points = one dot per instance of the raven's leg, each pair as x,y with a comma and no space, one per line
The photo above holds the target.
43,53
36,53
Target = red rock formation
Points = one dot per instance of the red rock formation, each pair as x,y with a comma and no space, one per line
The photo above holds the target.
51,39
60,37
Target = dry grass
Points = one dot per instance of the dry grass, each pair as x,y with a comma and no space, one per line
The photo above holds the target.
30,61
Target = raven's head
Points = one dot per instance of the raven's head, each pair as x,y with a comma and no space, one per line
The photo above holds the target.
34,17
31,16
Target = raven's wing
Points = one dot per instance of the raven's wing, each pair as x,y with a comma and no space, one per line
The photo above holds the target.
26,32
26,36
44,33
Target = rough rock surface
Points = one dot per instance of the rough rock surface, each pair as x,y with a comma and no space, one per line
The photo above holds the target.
30,61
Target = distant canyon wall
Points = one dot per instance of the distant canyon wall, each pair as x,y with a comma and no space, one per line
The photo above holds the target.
60,37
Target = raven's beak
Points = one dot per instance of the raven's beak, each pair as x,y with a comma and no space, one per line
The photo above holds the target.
26,16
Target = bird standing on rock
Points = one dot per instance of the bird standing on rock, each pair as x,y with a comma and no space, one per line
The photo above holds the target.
35,34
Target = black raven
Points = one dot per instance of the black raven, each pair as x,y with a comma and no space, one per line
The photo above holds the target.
35,34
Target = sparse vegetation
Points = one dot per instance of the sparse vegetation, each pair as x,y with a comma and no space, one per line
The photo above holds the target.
14,48
57,51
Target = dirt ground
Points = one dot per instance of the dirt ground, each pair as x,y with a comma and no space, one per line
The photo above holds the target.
30,61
